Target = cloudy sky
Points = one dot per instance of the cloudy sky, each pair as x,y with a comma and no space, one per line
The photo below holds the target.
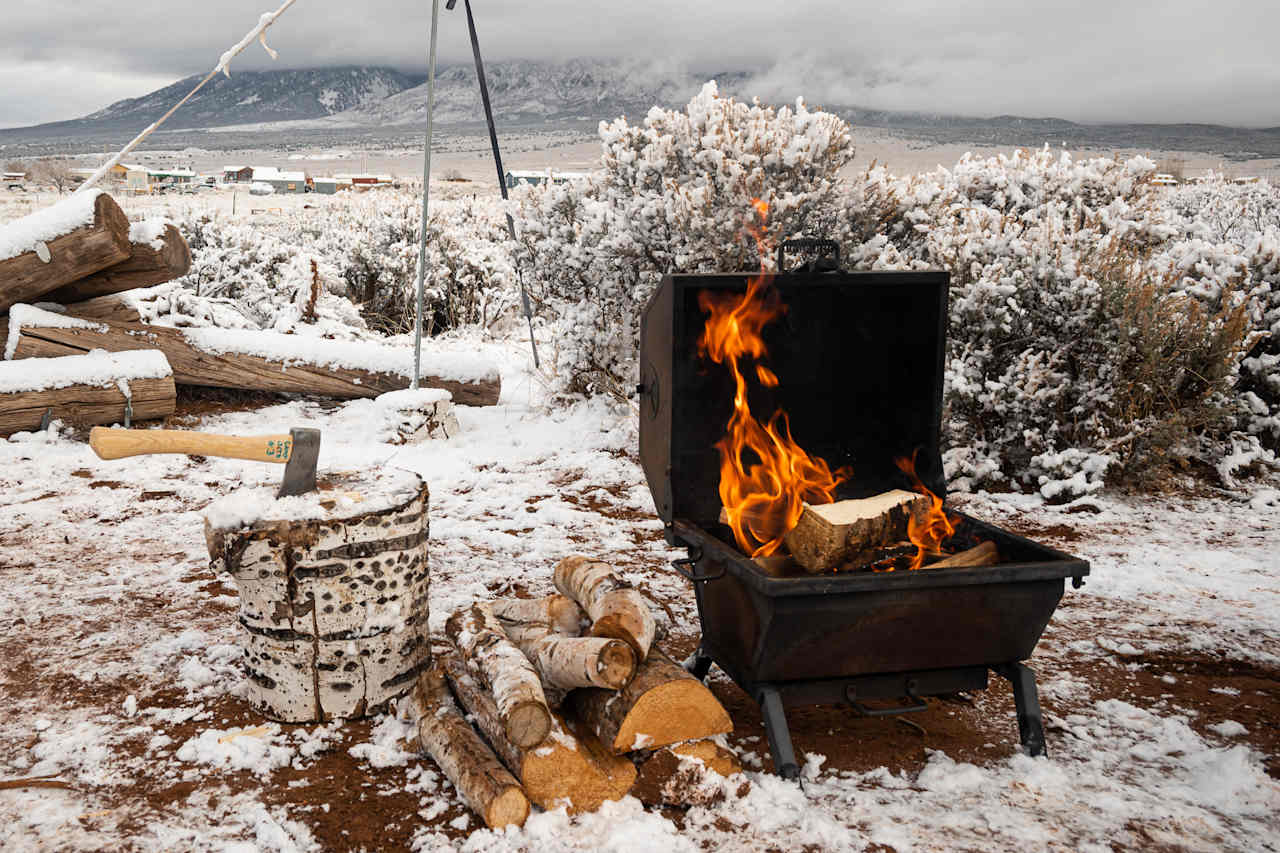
1087,60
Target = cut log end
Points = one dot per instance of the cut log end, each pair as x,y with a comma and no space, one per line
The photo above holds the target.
673,712
528,724
510,808
829,535
616,665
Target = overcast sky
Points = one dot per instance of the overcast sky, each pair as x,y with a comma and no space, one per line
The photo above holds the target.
1088,60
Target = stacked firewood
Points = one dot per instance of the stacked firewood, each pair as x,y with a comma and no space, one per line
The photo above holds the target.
573,701
69,284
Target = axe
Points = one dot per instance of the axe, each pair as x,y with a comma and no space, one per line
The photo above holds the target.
297,450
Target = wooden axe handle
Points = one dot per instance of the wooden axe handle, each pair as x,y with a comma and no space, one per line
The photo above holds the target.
118,443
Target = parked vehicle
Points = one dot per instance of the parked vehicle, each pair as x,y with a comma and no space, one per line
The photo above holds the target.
261,188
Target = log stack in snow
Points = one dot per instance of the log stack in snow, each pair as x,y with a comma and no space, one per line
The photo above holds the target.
614,721
333,591
96,388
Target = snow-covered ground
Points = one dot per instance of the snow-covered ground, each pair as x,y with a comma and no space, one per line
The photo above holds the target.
1160,678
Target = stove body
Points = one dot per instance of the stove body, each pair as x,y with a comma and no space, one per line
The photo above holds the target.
859,357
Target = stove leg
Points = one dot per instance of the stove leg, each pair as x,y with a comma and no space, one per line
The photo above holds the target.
775,725
1027,701
698,664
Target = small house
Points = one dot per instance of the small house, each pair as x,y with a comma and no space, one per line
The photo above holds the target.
237,174
516,177
330,186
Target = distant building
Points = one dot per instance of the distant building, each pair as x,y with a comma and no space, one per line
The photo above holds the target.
237,174
330,186
138,180
171,176
281,182
515,178
1163,179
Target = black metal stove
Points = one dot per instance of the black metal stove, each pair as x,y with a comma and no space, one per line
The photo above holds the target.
860,359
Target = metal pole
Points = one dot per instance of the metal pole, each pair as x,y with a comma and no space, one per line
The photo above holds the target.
497,161
426,194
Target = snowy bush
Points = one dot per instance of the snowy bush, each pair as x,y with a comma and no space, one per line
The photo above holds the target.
674,194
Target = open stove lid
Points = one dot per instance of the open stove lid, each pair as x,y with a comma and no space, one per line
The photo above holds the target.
859,358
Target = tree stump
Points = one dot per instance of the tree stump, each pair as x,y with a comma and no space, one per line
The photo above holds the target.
333,591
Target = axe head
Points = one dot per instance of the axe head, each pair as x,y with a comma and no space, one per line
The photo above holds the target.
300,470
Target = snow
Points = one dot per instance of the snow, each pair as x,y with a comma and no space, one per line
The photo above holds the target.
28,315
353,355
259,750
149,232
96,368
21,235
378,491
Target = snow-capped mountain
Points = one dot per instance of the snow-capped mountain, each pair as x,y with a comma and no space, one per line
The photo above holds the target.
254,96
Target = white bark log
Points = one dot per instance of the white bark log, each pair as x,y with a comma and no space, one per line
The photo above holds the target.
616,609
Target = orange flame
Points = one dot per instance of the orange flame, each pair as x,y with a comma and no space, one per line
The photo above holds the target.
762,499
927,533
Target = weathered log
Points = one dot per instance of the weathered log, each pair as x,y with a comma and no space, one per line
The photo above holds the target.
568,768
662,705
684,774
116,307
73,251
228,358
983,554
333,591
85,389
517,691
616,609
147,265
849,531
477,774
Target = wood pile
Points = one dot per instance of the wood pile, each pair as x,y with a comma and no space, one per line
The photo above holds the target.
573,699
81,259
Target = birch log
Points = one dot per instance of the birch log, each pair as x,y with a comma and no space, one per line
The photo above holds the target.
517,691
65,254
527,619
146,266
567,768
477,774
544,629
616,609
662,705
333,591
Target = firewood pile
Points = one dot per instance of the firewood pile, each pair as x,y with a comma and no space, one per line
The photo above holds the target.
567,700
70,282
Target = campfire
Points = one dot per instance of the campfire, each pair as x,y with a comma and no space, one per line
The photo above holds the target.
789,433
779,501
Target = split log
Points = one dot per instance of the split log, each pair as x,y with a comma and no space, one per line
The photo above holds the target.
684,774
116,307
234,358
517,691
662,705
849,531
85,389
567,768
419,414
78,237
616,609
154,258
984,554
333,591
477,774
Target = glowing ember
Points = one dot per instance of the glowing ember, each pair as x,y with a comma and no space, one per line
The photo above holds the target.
927,533
765,477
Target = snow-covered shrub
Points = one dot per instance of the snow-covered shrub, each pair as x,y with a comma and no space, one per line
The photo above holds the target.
674,194
1077,346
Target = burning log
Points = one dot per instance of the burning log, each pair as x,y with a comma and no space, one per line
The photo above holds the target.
157,254
60,244
517,691
662,705
984,554
616,609
85,389
567,767
477,774
828,535
684,774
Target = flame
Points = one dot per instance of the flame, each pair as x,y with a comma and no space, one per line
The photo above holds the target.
927,533
762,499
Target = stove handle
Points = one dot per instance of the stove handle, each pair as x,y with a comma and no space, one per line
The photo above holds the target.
917,704
685,566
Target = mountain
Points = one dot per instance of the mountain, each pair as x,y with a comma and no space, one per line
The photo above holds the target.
246,97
